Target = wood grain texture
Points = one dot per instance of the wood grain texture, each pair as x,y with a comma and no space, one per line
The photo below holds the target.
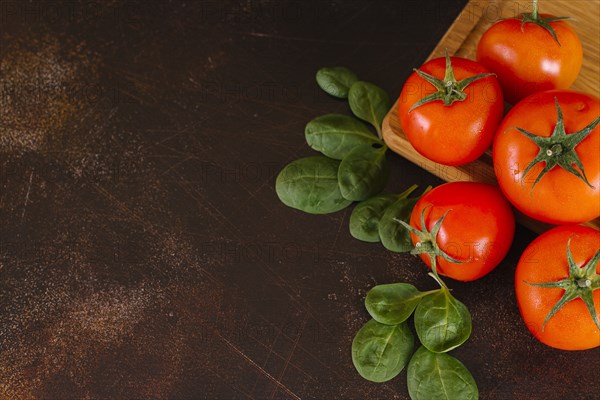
461,40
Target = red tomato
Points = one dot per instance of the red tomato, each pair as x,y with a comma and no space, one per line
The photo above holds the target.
477,230
545,260
559,197
527,59
453,134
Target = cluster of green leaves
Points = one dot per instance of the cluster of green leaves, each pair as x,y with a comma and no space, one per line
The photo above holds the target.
385,344
352,167
353,164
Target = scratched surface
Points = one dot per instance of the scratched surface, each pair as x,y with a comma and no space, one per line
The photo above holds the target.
143,251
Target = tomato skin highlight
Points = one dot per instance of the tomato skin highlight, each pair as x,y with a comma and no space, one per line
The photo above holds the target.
559,197
461,132
528,59
544,260
477,230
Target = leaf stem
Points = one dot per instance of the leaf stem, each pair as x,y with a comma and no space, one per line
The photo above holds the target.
408,191
423,294
534,12
435,275
379,133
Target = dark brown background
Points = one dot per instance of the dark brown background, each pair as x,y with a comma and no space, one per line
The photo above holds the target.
143,251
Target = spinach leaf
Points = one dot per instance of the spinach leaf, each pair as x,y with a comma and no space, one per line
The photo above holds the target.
394,236
311,185
364,220
442,322
363,173
335,135
380,352
393,303
369,102
336,81
439,376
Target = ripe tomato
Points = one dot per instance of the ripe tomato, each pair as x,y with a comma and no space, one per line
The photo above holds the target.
526,57
455,133
477,229
559,196
545,261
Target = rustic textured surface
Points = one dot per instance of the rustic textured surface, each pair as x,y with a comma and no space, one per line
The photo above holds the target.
143,251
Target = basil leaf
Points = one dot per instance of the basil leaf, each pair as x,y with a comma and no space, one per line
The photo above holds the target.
442,322
394,236
392,304
363,173
336,81
364,220
380,352
335,135
369,102
311,185
439,376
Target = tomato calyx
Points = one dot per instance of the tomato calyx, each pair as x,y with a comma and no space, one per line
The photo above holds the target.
535,18
449,89
427,243
580,284
559,149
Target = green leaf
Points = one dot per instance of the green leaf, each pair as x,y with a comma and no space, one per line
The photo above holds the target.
336,81
393,303
335,135
311,185
439,376
364,220
363,173
380,352
369,102
394,236
442,322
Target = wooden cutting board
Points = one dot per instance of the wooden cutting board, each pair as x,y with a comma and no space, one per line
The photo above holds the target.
461,40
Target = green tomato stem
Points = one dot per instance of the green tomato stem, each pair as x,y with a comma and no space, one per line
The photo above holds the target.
580,284
559,149
583,283
535,18
449,89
